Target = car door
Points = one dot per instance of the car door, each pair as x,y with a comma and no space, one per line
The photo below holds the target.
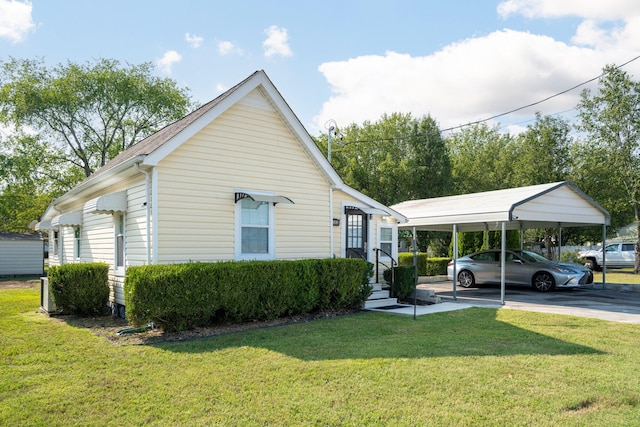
628,255
517,270
613,255
485,267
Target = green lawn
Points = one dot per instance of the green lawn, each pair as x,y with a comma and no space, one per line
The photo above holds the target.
468,367
622,276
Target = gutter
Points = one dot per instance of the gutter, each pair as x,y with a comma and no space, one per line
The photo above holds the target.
147,206
90,182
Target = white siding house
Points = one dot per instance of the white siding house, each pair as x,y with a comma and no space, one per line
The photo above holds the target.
21,254
239,178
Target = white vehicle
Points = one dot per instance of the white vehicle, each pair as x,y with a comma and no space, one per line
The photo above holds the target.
618,255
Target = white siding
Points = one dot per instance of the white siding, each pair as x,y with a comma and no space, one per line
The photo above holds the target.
561,200
21,257
66,241
246,148
136,232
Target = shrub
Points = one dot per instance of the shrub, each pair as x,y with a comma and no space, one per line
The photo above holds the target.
404,280
184,296
426,266
571,256
80,288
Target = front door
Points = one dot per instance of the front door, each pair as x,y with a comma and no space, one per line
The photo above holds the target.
357,232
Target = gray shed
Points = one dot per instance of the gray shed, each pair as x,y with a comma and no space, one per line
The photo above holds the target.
21,254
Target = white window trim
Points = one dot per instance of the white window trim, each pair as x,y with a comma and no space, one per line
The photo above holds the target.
56,244
271,254
119,270
394,240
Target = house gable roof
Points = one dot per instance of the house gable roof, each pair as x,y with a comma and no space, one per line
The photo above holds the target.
153,149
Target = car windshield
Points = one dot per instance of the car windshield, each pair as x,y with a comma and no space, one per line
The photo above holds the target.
532,256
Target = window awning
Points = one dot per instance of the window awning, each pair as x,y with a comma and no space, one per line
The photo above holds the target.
45,225
370,210
375,211
69,219
108,203
256,197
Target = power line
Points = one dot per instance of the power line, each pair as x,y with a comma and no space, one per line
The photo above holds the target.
538,102
498,115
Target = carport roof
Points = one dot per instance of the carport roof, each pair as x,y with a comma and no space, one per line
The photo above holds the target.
558,204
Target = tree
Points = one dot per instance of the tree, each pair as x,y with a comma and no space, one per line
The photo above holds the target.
482,159
87,113
541,152
30,177
542,156
610,153
395,159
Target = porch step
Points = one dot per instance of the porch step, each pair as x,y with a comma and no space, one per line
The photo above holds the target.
379,298
379,295
382,302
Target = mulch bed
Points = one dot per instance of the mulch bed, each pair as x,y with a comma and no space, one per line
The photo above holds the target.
108,327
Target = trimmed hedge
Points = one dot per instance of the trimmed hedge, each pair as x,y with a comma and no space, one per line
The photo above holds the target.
426,266
184,296
81,288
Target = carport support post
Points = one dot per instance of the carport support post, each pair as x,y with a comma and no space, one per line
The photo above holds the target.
604,255
503,264
455,260
415,272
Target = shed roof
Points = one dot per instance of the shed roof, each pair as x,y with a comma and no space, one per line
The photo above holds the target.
20,236
557,204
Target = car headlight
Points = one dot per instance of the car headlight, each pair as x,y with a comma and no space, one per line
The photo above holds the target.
564,270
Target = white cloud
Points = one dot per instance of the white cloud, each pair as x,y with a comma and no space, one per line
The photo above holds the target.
277,42
227,48
596,10
169,58
472,79
193,40
15,20
480,77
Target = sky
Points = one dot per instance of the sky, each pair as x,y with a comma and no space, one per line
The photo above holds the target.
349,61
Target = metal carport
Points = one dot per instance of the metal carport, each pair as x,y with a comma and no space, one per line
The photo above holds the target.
554,205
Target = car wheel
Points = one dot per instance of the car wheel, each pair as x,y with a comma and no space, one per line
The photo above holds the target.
591,264
466,279
543,282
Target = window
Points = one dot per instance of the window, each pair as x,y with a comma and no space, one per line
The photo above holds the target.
56,237
77,234
119,242
388,240
254,229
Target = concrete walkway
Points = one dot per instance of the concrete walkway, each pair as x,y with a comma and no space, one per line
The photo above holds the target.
617,304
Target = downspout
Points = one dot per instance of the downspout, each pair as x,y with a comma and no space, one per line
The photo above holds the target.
331,226
147,208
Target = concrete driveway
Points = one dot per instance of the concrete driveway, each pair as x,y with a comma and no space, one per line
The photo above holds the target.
617,305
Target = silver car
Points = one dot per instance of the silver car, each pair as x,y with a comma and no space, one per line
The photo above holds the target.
523,268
